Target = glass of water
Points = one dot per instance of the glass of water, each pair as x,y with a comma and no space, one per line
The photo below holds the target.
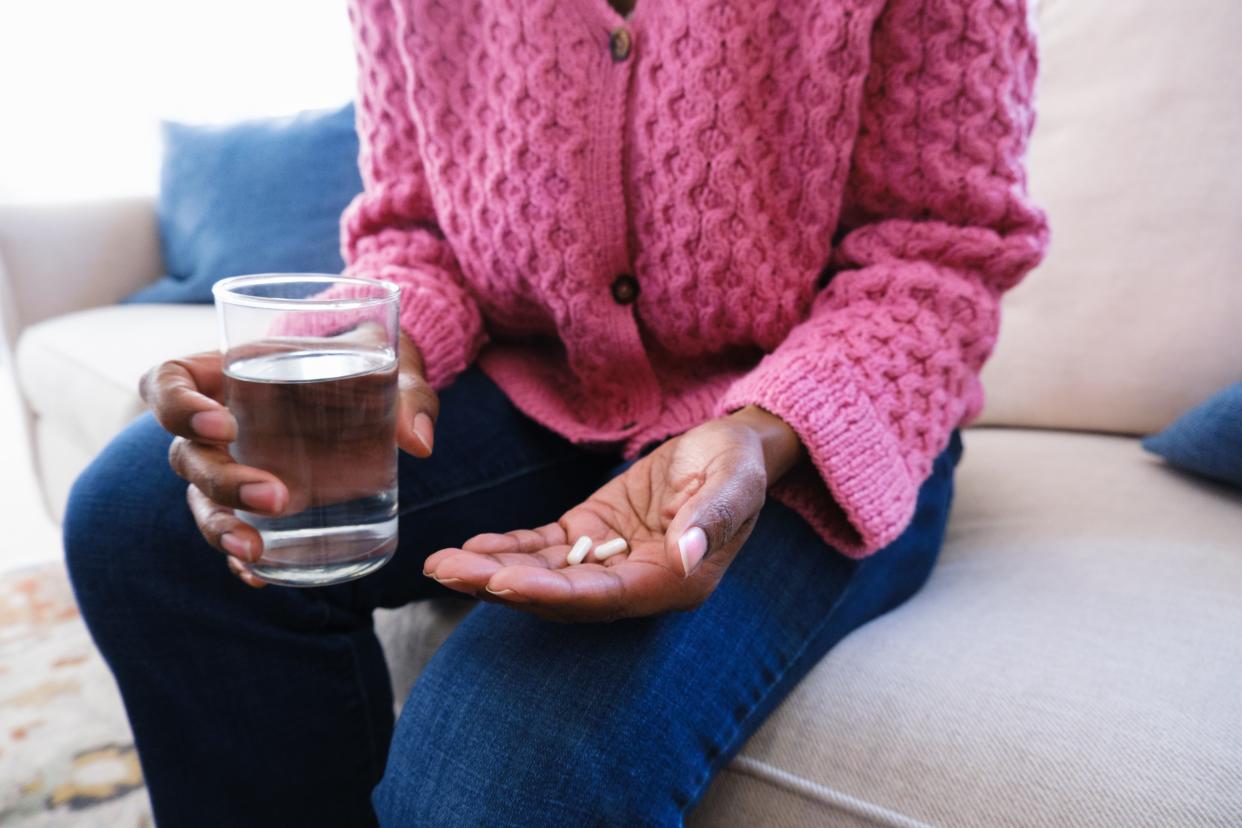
310,374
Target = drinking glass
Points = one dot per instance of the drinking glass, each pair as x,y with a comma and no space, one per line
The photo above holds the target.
310,374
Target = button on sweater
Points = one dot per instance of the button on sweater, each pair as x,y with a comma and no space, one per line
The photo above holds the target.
816,206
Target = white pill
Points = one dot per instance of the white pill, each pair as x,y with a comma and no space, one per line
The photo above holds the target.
609,548
579,551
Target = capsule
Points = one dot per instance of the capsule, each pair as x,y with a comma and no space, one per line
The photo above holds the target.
578,553
609,548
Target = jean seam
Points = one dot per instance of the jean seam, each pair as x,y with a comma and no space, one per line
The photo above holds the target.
731,741
466,491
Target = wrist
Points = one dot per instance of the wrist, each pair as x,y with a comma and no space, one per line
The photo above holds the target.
781,447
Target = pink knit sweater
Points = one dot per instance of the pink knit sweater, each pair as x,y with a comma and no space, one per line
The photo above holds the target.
637,224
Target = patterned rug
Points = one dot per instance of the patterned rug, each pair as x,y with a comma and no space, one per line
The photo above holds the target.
66,754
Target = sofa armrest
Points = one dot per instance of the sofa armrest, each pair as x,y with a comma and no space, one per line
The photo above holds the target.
59,258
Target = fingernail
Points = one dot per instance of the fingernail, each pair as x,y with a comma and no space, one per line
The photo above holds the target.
507,594
214,425
456,584
235,545
262,496
693,546
425,430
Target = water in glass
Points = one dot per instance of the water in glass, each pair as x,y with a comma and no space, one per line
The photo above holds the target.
323,421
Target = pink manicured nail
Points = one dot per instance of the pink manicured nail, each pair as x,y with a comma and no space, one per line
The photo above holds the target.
693,546
425,430
214,425
237,546
262,496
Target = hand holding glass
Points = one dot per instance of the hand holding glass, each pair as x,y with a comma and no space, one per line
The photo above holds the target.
310,366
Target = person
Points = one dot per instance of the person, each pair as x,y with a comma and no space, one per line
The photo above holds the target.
714,277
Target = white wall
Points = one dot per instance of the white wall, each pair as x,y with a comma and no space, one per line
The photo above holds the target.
84,83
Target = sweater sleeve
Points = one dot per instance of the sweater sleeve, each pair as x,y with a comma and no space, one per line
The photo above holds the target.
936,224
390,230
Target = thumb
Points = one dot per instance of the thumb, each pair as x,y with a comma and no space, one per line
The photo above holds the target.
716,521
419,405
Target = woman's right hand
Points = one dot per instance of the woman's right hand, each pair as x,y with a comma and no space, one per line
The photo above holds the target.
186,396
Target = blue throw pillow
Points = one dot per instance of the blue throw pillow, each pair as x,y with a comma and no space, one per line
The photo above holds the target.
255,197
1207,439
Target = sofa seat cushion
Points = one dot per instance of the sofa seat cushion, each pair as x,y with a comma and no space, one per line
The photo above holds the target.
80,372
1074,660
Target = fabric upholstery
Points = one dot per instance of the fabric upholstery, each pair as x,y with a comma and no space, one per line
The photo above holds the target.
1206,440
1133,317
81,371
59,459
60,258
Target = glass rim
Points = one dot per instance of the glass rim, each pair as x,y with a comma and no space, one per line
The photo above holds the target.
225,291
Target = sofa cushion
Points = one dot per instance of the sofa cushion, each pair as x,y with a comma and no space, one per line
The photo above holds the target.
261,196
1133,317
1206,440
59,459
1074,660
80,372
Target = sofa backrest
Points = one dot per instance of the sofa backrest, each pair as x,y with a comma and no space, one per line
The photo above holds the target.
58,258
1136,314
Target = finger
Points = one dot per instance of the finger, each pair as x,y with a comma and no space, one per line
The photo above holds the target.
461,570
716,520
464,570
593,592
222,528
225,481
419,404
243,573
184,394
519,540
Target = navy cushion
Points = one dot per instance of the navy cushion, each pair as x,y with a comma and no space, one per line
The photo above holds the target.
255,197
1207,439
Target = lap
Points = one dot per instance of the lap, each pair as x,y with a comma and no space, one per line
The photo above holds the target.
514,716
640,712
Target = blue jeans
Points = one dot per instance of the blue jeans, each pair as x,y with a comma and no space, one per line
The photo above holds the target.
273,707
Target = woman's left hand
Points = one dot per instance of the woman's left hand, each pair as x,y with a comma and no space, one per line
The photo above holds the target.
685,510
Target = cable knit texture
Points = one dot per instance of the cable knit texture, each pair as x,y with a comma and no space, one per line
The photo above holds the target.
821,202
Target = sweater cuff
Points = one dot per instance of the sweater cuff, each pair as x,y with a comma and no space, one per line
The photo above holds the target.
857,492
437,315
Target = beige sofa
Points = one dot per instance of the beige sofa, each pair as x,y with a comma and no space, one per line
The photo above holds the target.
1076,659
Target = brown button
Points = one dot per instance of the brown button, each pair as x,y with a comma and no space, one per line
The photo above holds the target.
625,289
619,44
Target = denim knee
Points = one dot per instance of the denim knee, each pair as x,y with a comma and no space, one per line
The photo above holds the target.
442,784
488,737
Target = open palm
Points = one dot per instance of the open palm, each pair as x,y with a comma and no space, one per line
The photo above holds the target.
710,479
